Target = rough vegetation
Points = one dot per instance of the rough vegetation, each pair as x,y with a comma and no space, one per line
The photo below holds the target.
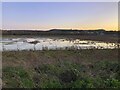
61,69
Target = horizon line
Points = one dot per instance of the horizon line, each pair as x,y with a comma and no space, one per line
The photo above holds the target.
57,29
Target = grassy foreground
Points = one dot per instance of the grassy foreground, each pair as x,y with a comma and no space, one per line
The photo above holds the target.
61,69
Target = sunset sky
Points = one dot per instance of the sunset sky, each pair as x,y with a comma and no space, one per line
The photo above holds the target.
62,15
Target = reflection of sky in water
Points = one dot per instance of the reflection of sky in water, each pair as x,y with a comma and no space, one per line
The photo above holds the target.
51,43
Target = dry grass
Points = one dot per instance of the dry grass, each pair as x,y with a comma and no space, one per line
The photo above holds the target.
51,57
44,68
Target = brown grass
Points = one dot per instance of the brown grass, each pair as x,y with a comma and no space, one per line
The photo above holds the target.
34,58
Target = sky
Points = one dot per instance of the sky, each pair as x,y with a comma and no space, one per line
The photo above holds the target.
60,15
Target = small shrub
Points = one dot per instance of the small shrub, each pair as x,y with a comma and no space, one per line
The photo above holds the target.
51,84
112,83
68,76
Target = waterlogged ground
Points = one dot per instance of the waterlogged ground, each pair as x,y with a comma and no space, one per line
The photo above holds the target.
51,43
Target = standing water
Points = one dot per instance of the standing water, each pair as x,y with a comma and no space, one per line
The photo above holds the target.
46,43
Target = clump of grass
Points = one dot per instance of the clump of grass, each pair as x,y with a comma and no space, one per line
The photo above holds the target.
83,83
16,77
51,84
45,48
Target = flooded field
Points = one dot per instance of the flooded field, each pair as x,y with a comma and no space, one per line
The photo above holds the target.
51,43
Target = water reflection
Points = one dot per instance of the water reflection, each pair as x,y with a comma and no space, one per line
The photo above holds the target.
10,44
